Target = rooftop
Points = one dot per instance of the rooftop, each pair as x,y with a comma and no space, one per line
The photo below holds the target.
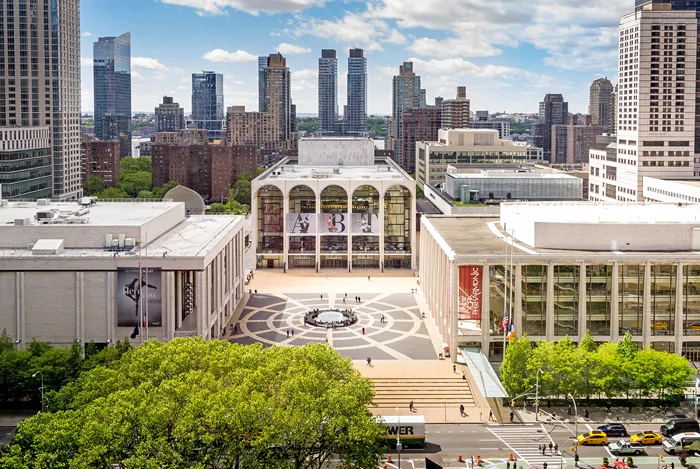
507,174
295,172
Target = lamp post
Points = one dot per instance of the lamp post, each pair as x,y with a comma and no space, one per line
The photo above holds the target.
658,461
575,424
537,394
398,437
41,389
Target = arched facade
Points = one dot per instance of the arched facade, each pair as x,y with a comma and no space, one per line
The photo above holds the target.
269,227
398,227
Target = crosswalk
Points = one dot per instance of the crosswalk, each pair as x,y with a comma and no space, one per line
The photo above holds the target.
524,441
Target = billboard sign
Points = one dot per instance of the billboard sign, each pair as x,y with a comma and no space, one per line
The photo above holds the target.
334,223
302,224
132,292
470,292
366,223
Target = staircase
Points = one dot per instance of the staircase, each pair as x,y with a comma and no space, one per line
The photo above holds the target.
424,392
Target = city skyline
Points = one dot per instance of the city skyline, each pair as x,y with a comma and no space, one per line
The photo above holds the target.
534,49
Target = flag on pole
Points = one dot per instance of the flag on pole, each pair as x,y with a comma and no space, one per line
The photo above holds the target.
511,332
505,323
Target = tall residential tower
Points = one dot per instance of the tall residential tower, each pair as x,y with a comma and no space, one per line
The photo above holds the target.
327,91
112,79
356,118
208,103
553,111
600,105
276,84
170,117
405,95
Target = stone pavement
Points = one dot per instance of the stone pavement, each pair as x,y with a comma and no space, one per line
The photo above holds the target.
651,415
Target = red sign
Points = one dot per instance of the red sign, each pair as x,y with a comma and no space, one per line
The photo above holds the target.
470,292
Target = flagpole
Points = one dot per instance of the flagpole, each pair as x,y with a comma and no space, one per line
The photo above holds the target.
145,322
140,324
512,286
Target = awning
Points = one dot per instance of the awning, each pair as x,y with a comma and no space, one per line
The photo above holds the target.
485,376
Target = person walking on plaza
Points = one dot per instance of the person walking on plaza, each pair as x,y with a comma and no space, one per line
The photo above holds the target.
287,333
461,410
321,297
292,332
544,465
368,278
568,410
343,300
410,406
511,415
363,331
454,368
550,447
585,415
235,329
369,361
556,448
491,416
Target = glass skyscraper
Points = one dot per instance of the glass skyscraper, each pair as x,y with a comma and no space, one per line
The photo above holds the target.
356,118
208,103
112,79
327,91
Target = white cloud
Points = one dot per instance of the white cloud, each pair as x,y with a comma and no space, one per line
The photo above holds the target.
136,75
87,34
454,47
220,55
254,7
147,63
85,61
291,49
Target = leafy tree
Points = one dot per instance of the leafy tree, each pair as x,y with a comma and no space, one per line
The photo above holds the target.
159,192
135,165
193,403
93,185
218,208
514,369
134,182
587,344
145,195
585,353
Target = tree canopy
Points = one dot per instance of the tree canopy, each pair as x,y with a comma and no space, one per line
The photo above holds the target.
134,165
93,185
615,369
206,404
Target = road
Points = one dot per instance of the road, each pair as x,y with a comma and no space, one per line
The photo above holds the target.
495,443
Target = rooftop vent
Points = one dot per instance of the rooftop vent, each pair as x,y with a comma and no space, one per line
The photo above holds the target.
48,247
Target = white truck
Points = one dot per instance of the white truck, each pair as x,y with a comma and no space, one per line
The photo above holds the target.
683,442
410,428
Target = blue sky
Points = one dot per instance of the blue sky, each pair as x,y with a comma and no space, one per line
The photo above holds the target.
509,53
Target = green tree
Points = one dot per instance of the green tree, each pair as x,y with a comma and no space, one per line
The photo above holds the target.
145,195
515,373
586,366
93,185
134,182
206,404
112,193
134,165
159,192
218,208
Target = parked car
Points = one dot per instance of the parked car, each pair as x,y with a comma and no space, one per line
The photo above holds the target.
592,438
675,426
647,437
613,429
624,447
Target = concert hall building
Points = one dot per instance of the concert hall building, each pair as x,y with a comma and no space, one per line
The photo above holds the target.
336,205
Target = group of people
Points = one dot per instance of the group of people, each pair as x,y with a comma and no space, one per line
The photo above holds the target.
553,448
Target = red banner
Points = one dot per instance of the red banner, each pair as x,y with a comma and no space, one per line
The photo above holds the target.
470,292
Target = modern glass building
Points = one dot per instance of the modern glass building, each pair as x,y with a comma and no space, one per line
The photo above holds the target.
25,163
208,103
327,91
335,207
560,269
356,118
112,79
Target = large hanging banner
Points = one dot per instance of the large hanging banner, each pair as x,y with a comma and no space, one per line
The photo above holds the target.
470,292
334,223
366,223
303,224
132,291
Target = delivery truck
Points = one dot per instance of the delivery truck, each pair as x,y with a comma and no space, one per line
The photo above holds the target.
411,429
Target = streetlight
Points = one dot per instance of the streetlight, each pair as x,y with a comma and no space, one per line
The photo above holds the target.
398,437
575,426
658,460
41,389
537,394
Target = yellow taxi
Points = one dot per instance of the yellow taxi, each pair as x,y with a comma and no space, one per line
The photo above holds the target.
659,325
592,438
647,438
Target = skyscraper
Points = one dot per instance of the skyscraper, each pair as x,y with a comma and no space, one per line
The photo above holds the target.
112,79
600,105
262,65
208,103
553,111
656,111
40,99
405,95
170,117
456,113
418,124
356,115
276,97
327,91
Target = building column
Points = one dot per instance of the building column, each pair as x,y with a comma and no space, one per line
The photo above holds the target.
285,229
485,305
413,230
518,306
254,213
646,312
179,303
381,232
349,234
318,229
678,323
582,304
549,321
79,307
615,303
172,310
453,309
200,306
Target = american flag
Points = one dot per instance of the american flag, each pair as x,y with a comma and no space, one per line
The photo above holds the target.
505,322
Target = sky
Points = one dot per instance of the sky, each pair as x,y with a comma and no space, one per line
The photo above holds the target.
508,53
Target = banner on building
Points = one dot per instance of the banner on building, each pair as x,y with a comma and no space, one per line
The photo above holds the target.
366,223
470,292
302,224
334,223
133,291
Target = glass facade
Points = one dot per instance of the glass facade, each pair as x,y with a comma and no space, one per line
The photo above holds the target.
534,299
630,299
208,103
691,300
270,220
566,299
663,299
500,293
25,174
112,79
397,220
598,299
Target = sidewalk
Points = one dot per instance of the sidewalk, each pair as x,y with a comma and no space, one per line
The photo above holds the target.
638,415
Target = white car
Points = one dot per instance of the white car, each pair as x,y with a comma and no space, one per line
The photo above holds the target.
624,447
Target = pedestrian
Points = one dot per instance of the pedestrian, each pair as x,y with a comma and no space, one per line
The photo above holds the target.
491,415
355,299
673,465
343,300
585,414
464,376
550,447
461,410
544,465
556,448
511,415
231,327
292,332
368,279
454,368
568,410
369,361
359,299
321,297
256,292
363,331
235,329
410,406
346,295
607,407
507,464
287,333
326,339
542,448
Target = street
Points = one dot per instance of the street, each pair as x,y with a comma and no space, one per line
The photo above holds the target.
494,443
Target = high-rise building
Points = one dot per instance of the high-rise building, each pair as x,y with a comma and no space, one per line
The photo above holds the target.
572,143
614,109
276,95
356,110
208,103
455,112
600,104
246,127
118,127
327,91
656,117
423,97
101,159
418,124
112,79
483,120
40,99
553,111
405,95
170,117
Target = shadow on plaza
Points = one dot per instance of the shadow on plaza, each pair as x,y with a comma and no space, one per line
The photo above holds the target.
427,448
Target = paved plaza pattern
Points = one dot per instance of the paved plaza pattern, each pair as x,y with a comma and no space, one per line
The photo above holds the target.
270,318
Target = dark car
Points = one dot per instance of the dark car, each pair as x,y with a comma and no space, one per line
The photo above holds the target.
613,429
